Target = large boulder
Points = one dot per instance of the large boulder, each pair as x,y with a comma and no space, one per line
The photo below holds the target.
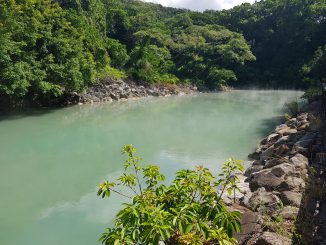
289,212
292,123
270,238
249,225
287,131
291,198
302,117
280,127
282,169
263,201
265,178
275,161
267,153
292,183
253,169
306,140
272,138
281,141
300,161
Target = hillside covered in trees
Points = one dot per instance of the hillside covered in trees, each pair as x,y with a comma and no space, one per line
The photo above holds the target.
52,47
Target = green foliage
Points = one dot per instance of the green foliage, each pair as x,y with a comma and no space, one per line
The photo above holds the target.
110,72
228,178
283,36
198,50
151,63
118,53
287,117
314,71
188,211
312,94
45,49
51,47
292,108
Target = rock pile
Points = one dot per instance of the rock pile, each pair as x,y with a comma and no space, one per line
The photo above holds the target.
107,90
277,177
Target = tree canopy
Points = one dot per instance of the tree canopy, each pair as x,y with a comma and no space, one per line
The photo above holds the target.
52,47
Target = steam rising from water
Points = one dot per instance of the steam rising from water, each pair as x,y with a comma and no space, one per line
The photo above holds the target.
50,162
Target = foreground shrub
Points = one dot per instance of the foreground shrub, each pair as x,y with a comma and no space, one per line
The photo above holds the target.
189,211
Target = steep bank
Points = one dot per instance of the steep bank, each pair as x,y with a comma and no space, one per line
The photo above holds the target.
280,189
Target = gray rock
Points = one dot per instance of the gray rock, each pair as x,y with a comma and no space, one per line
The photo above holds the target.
274,162
292,183
280,127
270,238
300,161
272,138
287,131
292,123
306,140
291,198
253,169
267,153
249,225
289,212
114,96
281,141
302,116
258,162
265,178
304,127
264,201
255,155
282,169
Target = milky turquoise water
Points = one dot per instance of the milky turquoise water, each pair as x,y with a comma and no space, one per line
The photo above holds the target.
52,160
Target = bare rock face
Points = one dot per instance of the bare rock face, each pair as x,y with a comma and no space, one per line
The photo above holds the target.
275,161
261,200
289,212
292,123
267,153
291,198
287,131
300,161
249,225
272,138
292,183
253,169
281,141
282,169
265,178
306,140
280,127
270,238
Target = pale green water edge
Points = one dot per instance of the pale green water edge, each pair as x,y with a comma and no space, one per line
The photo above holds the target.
51,162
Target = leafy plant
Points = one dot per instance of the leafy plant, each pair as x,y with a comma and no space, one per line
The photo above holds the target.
292,108
188,211
287,117
312,94
228,178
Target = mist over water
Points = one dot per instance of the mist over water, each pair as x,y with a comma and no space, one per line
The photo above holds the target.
51,161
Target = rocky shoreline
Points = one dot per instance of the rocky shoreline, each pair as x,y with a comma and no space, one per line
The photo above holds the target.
107,90
272,187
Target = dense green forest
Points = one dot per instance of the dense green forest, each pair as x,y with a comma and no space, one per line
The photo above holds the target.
52,47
